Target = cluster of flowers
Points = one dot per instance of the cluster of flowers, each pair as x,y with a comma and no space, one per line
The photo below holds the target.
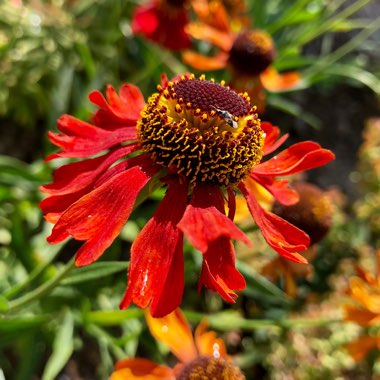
205,144
247,52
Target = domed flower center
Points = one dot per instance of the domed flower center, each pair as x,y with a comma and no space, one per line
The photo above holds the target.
175,3
208,367
201,130
312,214
252,52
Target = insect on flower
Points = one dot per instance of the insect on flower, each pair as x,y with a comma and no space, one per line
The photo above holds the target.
179,141
229,118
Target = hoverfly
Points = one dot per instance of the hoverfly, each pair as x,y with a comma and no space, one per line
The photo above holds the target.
229,118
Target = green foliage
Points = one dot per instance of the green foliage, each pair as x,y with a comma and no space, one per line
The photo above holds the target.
52,54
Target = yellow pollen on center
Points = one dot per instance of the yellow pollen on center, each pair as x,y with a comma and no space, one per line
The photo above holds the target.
202,130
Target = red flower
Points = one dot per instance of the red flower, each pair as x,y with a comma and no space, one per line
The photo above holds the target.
163,21
203,142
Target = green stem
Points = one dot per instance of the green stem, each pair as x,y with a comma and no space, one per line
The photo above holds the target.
99,334
224,322
343,50
328,25
42,290
10,293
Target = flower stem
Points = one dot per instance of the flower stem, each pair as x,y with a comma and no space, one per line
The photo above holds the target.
12,292
42,290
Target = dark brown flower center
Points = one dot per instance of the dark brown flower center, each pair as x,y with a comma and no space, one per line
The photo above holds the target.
312,214
208,367
175,3
201,130
252,52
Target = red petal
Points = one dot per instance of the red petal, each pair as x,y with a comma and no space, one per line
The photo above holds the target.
218,270
99,216
76,176
272,142
55,206
156,266
231,203
297,158
278,188
82,139
142,160
117,109
283,237
163,24
204,220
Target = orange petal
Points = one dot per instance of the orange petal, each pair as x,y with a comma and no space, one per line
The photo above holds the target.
274,81
200,31
202,62
207,342
367,295
362,317
174,331
361,347
130,369
212,13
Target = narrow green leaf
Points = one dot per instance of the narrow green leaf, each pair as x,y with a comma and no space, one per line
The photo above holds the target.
3,304
8,324
94,272
291,108
63,347
259,286
112,317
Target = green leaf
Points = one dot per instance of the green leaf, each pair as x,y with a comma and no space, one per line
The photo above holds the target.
259,287
291,108
12,167
112,317
63,347
8,324
355,73
3,304
94,272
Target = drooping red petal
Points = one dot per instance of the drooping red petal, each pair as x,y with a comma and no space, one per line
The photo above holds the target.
156,266
204,220
218,269
54,206
73,177
283,237
272,142
117,109
98,217
231,203
81,139
297,158
143,160
278,188
163,24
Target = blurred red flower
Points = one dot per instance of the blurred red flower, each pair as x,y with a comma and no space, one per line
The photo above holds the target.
163,21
